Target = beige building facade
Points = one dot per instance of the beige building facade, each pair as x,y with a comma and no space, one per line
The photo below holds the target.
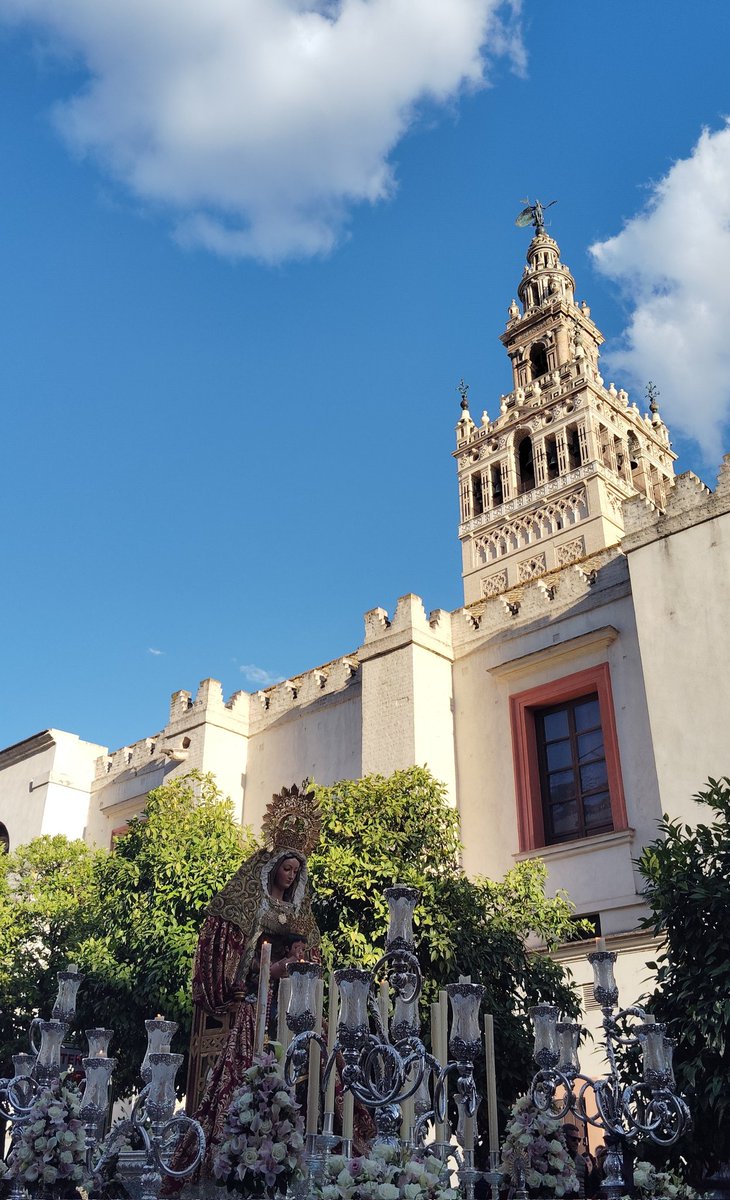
581,691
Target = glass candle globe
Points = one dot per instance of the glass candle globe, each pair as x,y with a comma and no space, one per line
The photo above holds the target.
401,903
159,1037
300,1013
405,1020
545,1023
568,1038
68,985
354,986
95,1096
98,1040
161,1096
605,989
465,1039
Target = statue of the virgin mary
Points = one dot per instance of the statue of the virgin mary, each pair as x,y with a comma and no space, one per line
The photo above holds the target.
267,899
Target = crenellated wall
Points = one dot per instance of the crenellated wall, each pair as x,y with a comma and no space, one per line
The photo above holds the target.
407,691
253,743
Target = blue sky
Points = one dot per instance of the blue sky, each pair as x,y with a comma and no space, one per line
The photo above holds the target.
230,377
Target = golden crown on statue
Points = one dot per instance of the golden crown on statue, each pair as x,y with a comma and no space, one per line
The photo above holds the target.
292,820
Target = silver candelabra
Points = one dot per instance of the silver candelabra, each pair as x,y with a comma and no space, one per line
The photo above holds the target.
153,1122
384,1066
652,1107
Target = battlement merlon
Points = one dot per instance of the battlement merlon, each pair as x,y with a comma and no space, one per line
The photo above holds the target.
689,502
300,691
409,625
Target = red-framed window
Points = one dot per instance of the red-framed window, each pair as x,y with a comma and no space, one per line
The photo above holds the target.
566,760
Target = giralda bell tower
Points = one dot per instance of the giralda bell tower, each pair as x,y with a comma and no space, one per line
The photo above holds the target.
542,485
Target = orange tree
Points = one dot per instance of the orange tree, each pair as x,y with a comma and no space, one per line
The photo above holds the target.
380,831
687,874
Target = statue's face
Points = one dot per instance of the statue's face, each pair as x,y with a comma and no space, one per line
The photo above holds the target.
286,873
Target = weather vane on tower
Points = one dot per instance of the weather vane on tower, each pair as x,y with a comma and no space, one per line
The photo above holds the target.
534,214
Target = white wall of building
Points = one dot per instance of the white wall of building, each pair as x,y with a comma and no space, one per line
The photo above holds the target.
679,563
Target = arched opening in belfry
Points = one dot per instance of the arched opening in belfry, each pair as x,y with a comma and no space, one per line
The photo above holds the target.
497,491
525,465
538,360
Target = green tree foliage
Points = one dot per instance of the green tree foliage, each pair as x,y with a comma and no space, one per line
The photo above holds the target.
687,873
130,917
47,891
378,832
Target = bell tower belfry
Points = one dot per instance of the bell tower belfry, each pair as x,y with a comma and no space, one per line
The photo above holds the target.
541,486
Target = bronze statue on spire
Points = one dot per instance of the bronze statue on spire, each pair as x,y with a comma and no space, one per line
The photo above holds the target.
534,214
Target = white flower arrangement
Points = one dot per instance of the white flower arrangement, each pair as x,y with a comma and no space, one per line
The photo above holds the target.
650,1183
262,1150
51,1148
384,1175
536,1141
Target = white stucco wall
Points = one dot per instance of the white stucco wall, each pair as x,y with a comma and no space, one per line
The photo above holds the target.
320,741
594,627
45,786
681,586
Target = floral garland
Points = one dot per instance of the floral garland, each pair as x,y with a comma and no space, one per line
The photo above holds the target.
536,1143
51,1146
262,1149
384,1175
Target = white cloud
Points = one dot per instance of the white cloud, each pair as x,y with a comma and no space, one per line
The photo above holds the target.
257,124
151,650
673,264
259,675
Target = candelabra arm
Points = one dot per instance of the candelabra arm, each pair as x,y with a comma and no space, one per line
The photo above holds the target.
185,1125
543,1088
16,1108
33,1028
419,1129
297,1056
117,1133
403,970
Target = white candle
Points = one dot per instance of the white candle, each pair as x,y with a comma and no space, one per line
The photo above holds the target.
348,1116
262,1001
282,1005
332,994
600,944
314,1068
383,1003
465,979
73,968
444,1020
491,1074
469,1132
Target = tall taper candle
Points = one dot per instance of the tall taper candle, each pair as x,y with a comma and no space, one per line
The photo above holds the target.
438,1054
314,1068
332,1007
348,1116
491,1074
444,1018
262,1000
282,1005
469,1132
383,1003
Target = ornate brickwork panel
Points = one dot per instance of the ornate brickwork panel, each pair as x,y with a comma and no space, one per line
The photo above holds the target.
570,552
532,527
494,584
531,568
